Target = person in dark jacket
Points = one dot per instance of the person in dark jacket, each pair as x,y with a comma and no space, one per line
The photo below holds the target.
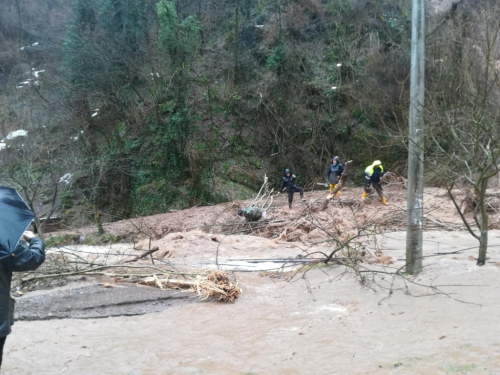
333,175
25,258
288,183
373,175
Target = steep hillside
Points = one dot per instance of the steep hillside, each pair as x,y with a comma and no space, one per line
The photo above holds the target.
153,105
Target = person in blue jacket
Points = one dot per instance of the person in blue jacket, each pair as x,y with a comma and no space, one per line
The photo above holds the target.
333,175
288,183
27,257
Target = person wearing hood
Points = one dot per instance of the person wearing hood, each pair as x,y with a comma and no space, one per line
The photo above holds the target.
333,174
373,175
288,183
28,256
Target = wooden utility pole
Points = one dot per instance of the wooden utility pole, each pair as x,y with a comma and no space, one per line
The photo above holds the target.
416,143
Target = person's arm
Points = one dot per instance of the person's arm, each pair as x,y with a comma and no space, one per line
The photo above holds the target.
341,169
282,184
28,258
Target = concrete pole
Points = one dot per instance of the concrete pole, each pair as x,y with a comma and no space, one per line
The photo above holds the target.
416,142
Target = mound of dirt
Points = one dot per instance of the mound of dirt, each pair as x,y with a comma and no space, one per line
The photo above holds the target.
306,222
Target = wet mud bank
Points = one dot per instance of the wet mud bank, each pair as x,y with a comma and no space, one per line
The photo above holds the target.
99,301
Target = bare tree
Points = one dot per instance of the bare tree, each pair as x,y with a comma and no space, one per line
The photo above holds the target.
465,134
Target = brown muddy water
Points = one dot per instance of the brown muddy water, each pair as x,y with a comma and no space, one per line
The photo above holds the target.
325,323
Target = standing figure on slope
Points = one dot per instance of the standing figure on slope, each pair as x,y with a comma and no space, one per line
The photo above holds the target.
333,175
373,174
288,183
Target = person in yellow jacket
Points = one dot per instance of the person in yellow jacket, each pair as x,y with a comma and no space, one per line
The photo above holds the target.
373,174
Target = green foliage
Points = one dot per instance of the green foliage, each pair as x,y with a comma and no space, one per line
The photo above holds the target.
66,199
276,59
101,36
100,239
179,39
63,240
186,110
460,369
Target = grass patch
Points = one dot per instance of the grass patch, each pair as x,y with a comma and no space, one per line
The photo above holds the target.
100,239
65,239
460,369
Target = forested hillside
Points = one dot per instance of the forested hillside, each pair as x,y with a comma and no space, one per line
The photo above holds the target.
134,107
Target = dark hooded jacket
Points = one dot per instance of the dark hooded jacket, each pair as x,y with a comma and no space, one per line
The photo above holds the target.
24,259
288,182
334,173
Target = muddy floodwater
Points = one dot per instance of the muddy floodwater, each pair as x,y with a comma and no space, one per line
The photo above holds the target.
325,323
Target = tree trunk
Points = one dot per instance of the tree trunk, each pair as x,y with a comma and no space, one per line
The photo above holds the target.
483,238
236,42
483,246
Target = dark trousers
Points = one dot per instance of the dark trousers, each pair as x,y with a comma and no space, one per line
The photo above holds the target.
2,343
376,186
296,189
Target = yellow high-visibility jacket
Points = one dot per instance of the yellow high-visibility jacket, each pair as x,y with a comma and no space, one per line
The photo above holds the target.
369,169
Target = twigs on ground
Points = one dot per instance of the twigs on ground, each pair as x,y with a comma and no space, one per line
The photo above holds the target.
208,285
95,271
264,198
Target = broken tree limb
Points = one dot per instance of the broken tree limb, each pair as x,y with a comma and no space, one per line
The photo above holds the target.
93,270
143,255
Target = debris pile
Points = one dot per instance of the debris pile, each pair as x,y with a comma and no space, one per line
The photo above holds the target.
216,285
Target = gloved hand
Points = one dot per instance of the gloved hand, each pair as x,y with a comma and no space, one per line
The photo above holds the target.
28,236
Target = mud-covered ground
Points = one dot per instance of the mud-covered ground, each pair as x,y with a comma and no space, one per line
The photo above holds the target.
342,215
98,301
324,323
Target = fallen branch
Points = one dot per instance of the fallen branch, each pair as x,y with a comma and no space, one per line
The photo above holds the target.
92,271
145,254
209,284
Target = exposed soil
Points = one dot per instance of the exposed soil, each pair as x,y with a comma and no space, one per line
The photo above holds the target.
341,215
322,322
